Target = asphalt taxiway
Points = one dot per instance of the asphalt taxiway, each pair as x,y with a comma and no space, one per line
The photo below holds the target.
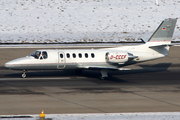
152,86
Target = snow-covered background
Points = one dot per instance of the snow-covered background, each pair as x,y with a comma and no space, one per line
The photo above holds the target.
63,21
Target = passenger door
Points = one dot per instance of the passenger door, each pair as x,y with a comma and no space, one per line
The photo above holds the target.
61,60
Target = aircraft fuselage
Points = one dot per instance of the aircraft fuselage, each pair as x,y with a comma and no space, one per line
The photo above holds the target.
99,59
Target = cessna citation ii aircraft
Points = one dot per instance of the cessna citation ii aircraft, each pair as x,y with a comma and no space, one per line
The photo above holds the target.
100,59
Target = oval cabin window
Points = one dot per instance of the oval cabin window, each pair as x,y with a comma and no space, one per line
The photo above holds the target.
74,55
92,55
68,55
86,55
61,55
80,55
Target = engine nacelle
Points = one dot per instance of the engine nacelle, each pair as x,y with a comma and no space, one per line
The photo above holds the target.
116,57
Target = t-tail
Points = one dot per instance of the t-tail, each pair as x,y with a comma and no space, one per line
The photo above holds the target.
159,43
163,34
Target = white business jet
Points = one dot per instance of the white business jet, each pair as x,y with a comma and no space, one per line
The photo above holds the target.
100,59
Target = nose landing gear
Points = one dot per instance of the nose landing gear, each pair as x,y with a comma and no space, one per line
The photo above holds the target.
24,74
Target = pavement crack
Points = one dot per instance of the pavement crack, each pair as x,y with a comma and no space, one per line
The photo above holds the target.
156,99
76,103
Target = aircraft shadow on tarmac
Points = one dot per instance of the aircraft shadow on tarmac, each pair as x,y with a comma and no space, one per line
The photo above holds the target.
87,82
152,68
95,74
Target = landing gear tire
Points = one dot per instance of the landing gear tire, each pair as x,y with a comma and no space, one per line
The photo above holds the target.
24,74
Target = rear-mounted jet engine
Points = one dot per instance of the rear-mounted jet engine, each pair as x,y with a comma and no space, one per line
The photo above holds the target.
116,57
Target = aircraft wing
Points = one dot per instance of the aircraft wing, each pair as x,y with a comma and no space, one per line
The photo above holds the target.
101,68
96,67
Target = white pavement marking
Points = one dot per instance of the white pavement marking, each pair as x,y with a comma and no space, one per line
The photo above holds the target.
52,78
62,46
59,78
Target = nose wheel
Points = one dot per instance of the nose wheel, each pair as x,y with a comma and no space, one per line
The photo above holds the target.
24,74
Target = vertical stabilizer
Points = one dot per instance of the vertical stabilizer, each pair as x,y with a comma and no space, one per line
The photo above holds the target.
164,33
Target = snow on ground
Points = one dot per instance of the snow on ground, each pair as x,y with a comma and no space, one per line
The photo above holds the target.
101,116
64,21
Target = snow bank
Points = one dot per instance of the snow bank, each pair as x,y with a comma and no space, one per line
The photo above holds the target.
61,21
101,116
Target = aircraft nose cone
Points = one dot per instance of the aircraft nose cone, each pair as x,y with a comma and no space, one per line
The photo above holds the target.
8,65
15,64
11,64
5,65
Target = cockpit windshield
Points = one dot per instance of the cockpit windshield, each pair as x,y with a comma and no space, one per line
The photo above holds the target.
36,54
39,55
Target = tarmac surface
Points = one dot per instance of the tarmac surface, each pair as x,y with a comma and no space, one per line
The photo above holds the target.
152,86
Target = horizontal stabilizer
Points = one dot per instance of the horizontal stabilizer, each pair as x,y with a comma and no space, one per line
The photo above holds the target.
163,45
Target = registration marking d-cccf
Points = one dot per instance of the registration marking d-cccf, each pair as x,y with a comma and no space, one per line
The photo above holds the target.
118,56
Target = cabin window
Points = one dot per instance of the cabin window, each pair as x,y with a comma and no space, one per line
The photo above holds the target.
80,55
86,55
68,55
106,56
92,55
44,55
61,55
37,54
74,55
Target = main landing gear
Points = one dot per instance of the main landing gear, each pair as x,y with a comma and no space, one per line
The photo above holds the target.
104,74
24,74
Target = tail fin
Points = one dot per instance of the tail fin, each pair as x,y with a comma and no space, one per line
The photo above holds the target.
163,33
